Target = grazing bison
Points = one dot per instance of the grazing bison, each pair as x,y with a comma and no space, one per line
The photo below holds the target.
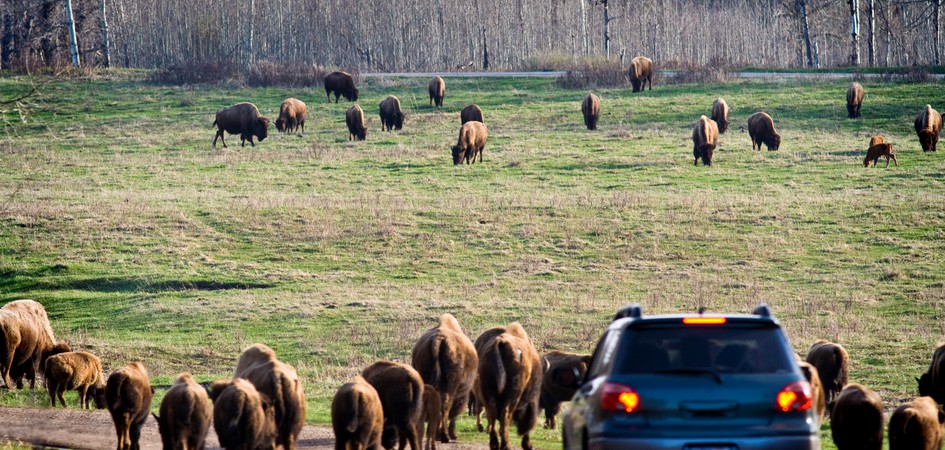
554,393
470,113
705,137
472,141
916,425
857,419
446,359
816,388
590,107
400,389
761,130
279,382
128,395
292,116
242,119
878,139
25,370
79,371
184,415
342,84
720,114
437,91
26,338
932,382
391,114
877,151
641,73
928,124
354,118
243,418
432,415
509,386
357,417
832,365
854,100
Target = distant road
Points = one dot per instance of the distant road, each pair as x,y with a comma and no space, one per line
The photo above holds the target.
665,73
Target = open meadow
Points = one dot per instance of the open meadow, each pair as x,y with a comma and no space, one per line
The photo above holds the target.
144,243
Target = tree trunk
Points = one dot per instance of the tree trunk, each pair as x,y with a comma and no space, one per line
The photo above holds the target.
870,29
855,32
73,44
485,51
936,48
6,40
606,28
106,54
802,7
584,25
251,20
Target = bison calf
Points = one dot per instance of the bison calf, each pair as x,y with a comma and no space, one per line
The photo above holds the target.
553,392
292,116
932,382
832,365
928,125
857,419
184,415
243,418
391,114
400,389
341,84
357,417
761,130
720,114
878,151
470,113
705,137
472,141
128,395
641,73
242,119
590,107
432,416
916,425
854,100
437,90
354,118
79,371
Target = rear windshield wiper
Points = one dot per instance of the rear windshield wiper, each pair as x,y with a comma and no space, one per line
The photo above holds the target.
691,371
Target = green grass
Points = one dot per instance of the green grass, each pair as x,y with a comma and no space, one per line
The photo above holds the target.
144,243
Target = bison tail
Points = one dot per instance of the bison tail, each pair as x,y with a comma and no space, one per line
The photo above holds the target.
441,363
840,358
351,422
214,123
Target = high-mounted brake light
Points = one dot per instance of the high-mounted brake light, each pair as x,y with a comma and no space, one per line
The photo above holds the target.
703,320
795,397
617,397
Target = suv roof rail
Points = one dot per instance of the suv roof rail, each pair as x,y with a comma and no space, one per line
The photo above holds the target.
635,311
762,310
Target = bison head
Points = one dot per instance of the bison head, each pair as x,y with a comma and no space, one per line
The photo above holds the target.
773,142
98,396
927,388
351,94
458,155
706,154
280,124
261,128
925,139
362,133
398,120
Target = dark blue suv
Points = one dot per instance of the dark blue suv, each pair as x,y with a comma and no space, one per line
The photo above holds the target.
692,382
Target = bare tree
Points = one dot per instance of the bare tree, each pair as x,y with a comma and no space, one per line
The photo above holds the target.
106,53
73,44
855,32
802,8
871,22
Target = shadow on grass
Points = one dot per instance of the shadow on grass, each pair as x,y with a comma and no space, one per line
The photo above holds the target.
16,281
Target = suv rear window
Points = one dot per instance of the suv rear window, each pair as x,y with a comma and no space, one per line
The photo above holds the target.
721,350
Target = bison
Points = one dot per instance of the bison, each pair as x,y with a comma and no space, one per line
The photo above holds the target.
590,107
432,415
446,359
128,394
720,114
761,130
184,415
816,388
509,386
854,100
932,382
705,137
26,338
391,114
472,141
877,151
243,119
916,425
400,389
354,118
481,343
641,73
554,393
832,365
79,371
342,84
928,124
857,419
357,417
470,113
437,91
279,382
243,418
292,116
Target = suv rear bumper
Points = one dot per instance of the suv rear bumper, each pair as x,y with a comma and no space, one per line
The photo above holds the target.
811,442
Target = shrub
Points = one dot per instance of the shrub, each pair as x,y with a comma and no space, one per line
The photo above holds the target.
689,73
196,72
588,73
294,74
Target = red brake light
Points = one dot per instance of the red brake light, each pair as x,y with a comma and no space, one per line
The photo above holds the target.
795,397
617,397
703,320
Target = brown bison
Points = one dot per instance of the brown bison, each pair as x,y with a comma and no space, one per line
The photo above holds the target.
854,100
877,151
79,371
720,114
128,395
470,113
184,415
509,386
342,84
878,139
432,415
916,425
472,141
400,389
357,417
705,137
437,91
857,419
26,338
832,365
481,343
590,107
932,382
816,388
279,382
354,118
391,114
553,393
242,119
761,130
292,116
243,418
641,73
446,359
928,124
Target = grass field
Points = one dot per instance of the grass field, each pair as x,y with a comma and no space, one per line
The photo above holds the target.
144,243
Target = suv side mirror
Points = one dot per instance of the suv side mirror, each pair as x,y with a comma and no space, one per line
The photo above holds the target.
566,377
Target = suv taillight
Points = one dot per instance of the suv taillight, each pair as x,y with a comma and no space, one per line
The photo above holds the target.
795,397
618,397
